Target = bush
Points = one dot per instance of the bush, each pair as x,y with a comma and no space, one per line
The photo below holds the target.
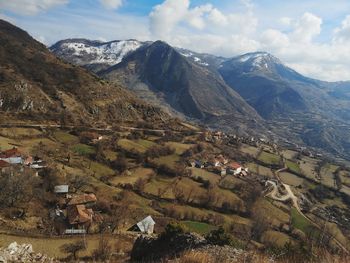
219,237
172,230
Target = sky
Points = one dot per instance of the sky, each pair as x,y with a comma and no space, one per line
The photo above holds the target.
311,36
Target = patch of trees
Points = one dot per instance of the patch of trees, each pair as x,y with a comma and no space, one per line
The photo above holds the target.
18,188
158,151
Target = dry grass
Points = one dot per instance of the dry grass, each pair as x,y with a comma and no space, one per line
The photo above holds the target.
308,166
291,179
131,179
213,178
252,151
180,148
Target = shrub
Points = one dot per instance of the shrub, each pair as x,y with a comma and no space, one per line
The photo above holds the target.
219,237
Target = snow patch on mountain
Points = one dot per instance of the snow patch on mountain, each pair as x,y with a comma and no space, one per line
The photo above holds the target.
258,60
194,58
110,53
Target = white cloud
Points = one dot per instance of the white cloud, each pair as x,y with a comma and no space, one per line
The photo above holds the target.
112,4
342,33
195,16
217,18
164,17
29,7
307,27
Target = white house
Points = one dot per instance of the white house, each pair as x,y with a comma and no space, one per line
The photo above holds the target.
146,225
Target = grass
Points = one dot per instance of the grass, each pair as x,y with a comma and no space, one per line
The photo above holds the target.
138,145
213,178
169,160
259,169
51,246
19,132
110,155
293,167
289,154
250,150
83,149
300,222
100,170
131,179
180,148
275,238
308,166
6,143
291,179
269,158
198,227
65,137
327,174
271,213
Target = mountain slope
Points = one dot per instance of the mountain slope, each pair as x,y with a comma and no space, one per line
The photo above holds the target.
34,83
305,110
187,87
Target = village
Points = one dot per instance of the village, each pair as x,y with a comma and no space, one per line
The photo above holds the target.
132,182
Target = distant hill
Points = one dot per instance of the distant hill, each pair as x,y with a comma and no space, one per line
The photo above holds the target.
251,93
36,84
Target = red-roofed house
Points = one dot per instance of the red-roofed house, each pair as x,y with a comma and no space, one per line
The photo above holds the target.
82,199
12,156
234,168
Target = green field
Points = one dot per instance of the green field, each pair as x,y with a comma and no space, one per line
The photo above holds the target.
138,145
65,137
169,160
300,222
83,149
269,158
275,238
293,167
180,148
198,227
291,179
213,178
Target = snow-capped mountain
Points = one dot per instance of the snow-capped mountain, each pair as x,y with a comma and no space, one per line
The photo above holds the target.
86,52
202,59
210,88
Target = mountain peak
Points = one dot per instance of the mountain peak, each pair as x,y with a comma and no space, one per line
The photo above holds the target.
258,60
108,53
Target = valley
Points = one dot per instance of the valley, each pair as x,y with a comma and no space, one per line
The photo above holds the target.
129,151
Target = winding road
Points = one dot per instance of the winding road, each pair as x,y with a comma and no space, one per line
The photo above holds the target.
290,195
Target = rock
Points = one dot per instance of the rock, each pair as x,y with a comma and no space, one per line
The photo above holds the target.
149,248
22,253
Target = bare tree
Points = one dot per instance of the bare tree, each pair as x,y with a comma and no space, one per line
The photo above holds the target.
73,248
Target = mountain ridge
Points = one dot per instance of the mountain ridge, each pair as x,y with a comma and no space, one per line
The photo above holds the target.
308,111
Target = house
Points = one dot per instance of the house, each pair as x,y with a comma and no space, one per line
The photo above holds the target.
79,216
192,163
90,137
82,199
215,162
37,164
222,159
234,168
12,156
61,189
223,172
144,226
198,164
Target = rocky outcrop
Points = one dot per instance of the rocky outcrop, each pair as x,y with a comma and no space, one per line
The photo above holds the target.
150,249
22,253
